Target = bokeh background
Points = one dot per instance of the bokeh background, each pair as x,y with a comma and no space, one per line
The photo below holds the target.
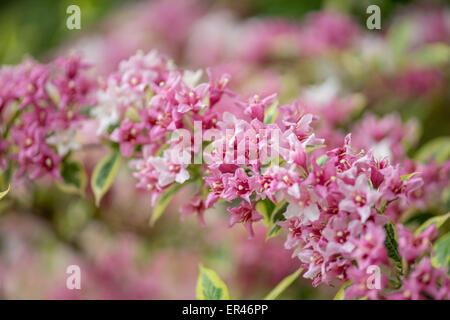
43,230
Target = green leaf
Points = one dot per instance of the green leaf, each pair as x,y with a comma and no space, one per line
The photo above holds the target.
441,258
103,175
445,197
4,193
322,160
400,37
274,231
265,208
340,295
432,55
271,113
6,176
277,215
132,114
283,285
210,286
272,214
408,176
164,200
438,221
392,246
279,210
419,218
438,149
311,147
74,177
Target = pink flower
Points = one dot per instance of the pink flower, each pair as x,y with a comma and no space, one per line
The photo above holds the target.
191,99
256,106
128,135
396,187
369,247
338,234
359,197
362,286
169,172
239,185
217,182
424,282
245,214
196,205
306,205
46,161
411,247
321,177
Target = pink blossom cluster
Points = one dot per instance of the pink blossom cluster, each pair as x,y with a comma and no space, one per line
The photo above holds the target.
321,32
348,230
40,110
336,204
147,100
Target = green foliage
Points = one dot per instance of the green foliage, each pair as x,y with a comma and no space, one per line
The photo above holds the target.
6,176
438,221
400,38
210,286
283,285
408,176
272,214
340,295
103,175
446,198
271,113
164,200
322,160
441,259
265,208
391,244
4,193
35,27
74,177
432,55
437,149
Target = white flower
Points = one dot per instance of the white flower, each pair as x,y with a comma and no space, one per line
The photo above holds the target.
191,78
64,141
322,93
106,113
382,150
311,212
168,172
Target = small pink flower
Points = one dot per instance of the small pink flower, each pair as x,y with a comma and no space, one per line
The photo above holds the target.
362,286
369,247
256,106
424,282
196,205
128,135
239,185
411,247
359,197
169,172
217,181
245,214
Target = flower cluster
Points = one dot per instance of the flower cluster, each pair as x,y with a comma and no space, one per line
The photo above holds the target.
341,230
337,204
144,103
41,106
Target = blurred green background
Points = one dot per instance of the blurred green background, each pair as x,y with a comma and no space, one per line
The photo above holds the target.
32,28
